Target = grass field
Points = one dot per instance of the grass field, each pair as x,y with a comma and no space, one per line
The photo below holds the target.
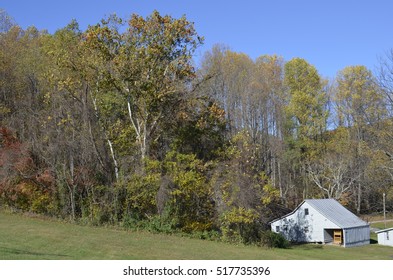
29,238
381,225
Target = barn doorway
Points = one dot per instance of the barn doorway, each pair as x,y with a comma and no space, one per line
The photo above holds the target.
333,236
337,236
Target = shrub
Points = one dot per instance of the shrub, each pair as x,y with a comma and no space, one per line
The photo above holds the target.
273,240
240,225
189,193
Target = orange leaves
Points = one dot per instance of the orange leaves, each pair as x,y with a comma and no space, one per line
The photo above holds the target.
45,178
21,185
217,112
6,137
14,156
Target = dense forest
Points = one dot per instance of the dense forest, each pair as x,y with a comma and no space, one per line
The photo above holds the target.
117,125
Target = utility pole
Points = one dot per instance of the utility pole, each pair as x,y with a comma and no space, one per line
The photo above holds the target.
384,209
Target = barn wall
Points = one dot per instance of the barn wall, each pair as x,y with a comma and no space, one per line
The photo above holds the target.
328,235
356,236
382,238
299,227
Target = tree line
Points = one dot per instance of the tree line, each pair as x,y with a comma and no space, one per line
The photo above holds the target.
116,125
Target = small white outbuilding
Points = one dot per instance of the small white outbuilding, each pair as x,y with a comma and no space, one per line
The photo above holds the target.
385,236
323,221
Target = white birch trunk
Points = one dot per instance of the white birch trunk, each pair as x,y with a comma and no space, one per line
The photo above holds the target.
109,142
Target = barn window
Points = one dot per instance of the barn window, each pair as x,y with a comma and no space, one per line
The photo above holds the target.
306,211
387,235
277,228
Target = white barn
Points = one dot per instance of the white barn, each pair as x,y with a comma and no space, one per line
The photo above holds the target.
385,236
323,221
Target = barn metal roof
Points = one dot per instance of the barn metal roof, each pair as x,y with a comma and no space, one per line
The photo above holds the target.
334,211
383,230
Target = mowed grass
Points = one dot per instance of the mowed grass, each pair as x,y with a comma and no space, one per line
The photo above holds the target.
381,225
29,238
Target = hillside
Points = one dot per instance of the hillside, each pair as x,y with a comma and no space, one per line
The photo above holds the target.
30,238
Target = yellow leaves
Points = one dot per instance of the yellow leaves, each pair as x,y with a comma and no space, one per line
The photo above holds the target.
270,194
4,110
237,224
240,215
64,121
201,123
358,97
70,84
217,112
195,226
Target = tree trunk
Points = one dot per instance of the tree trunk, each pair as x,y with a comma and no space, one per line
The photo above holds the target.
114,159
359,199
108,140
140,130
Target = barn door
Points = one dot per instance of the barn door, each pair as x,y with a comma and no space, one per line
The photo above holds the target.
338,236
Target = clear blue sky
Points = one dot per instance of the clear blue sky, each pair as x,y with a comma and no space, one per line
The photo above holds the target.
329,34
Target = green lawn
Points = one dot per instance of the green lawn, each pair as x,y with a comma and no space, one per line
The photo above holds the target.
381,225
30,238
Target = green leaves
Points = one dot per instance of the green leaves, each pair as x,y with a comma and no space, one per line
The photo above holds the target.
191,194
306,110
146,66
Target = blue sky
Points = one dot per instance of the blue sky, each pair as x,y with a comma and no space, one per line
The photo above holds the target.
330,34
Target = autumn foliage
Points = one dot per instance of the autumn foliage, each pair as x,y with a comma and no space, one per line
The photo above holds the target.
117,124
22,185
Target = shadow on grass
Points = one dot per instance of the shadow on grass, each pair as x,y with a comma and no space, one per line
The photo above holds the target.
301,246
310,246
13,251
373,241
